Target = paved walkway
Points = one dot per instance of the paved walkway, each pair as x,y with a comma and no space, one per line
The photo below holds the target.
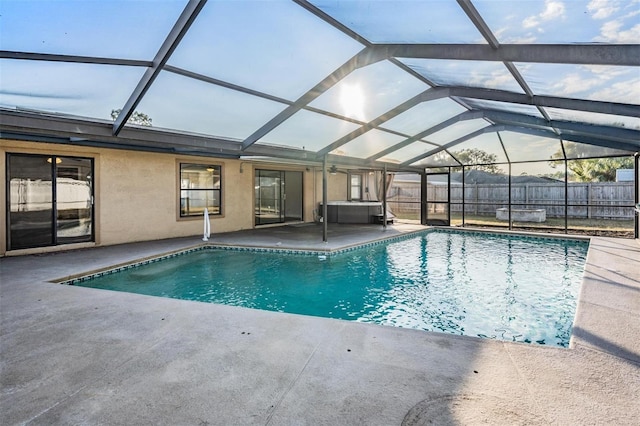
74,355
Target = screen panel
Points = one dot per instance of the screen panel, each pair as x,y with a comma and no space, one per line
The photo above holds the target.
109,29
404,21
86,90
309,131
593,82
483,74
408,152
456,131
424,116
368,92
275,47
199,107
527,147
368,144
576,21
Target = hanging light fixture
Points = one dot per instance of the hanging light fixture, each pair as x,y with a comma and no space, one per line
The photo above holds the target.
333,170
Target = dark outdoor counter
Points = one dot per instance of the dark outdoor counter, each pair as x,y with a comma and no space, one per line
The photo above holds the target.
352,211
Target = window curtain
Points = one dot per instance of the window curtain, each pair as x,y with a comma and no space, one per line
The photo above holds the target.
380,186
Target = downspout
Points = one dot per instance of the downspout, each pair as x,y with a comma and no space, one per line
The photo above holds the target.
566,188
636,230
509,198
464,208
566,196
384,199
449,197
423,197
506,154
324,199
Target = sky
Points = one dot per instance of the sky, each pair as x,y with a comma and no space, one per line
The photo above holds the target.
280,49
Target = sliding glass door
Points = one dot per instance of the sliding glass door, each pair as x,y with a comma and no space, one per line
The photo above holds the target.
49,200
292,196
278,196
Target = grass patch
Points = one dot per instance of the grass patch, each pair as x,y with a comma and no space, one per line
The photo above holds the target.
578,226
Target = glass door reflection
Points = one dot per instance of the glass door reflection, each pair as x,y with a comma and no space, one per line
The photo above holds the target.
268,197
278,196
73,200
50,200
30,201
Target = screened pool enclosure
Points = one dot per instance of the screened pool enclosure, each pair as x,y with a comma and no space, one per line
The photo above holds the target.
518,114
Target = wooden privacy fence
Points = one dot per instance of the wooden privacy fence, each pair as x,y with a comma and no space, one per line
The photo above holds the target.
592,200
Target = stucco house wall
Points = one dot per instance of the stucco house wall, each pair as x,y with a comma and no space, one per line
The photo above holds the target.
137,193
338,186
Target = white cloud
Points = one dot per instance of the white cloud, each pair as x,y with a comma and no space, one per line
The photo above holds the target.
630,36
632,14
624,91
530,22
610,29
574,83
500,32
602,9
611,32
633,6
607,72
499,80
526,39
552,10
602,83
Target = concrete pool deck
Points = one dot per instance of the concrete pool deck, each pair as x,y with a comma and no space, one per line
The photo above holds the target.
74,355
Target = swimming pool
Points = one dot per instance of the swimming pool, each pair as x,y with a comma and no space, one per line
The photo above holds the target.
477,284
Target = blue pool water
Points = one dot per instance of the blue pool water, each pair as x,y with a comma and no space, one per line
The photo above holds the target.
495,286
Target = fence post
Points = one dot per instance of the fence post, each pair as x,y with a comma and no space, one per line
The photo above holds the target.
475,199
589,212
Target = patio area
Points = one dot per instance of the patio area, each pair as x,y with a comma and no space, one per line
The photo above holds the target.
74,355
